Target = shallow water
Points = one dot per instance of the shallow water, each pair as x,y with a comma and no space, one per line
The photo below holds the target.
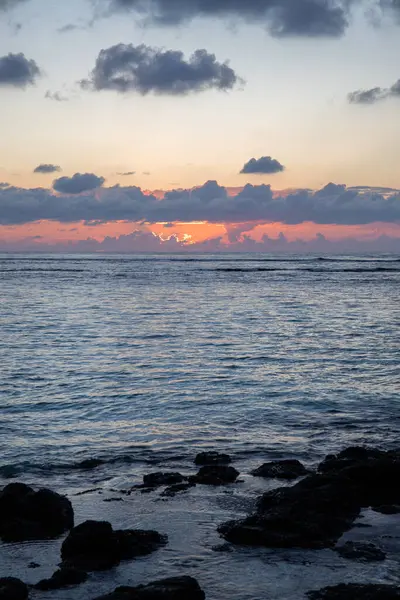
143,361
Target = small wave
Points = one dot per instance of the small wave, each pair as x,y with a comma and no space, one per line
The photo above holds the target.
37,270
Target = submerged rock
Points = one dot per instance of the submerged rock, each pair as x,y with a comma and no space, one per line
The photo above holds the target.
13,589
62,578
212,458
215,475
316,511
174,588
354,591
89,463
95,546
360,551
29,515
159,479
172,490
281,469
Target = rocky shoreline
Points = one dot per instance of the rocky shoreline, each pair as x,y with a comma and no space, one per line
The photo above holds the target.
311,514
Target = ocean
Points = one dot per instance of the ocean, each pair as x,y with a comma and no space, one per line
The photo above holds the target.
143,361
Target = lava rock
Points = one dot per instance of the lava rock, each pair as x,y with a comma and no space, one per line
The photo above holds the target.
215,475
13,589
316,511
388,509
212,458
174,588
360,551
62,578
135,542
354,591
95,546
159,479
29,515
281,469
172,490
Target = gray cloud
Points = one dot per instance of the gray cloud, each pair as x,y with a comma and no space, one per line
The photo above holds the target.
333,204
56,96
8,4
47,168
18,71
4,185
78,183
374,95
263,165
127,173
310,18
142,69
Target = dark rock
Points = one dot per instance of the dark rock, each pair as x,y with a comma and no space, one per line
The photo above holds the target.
212,458
136,542
172,490
281,469
360,551
222,548
158,479
13,589
316,511
95,546
91,546
388,509
62,578
29,515
33,565
354,591
175,588
215,475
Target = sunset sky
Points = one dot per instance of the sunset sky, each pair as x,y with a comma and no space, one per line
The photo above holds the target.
110,105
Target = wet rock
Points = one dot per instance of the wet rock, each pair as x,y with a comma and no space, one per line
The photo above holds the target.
95,546
354,591
212,458
360,551
159,479
222,548
388,509
62,578
112,500
13,589
29,515
33,565
281,469
215,475
174,588
172,490
135,542
316,511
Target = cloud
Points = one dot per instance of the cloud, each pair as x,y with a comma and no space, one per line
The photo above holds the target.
127,173
8,4
56,96
263,165
46,168
374,95
18,71
126,68
4,185
78,183
333,204
309,18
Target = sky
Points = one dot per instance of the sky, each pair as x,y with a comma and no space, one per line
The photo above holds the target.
131,125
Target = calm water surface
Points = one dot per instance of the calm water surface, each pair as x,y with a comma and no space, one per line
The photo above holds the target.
143,361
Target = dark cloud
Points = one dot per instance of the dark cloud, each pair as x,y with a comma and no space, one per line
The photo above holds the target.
18,71
310,18
374,95
78,183
142,69
333,204
8,4
4,185
46,168
263,165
